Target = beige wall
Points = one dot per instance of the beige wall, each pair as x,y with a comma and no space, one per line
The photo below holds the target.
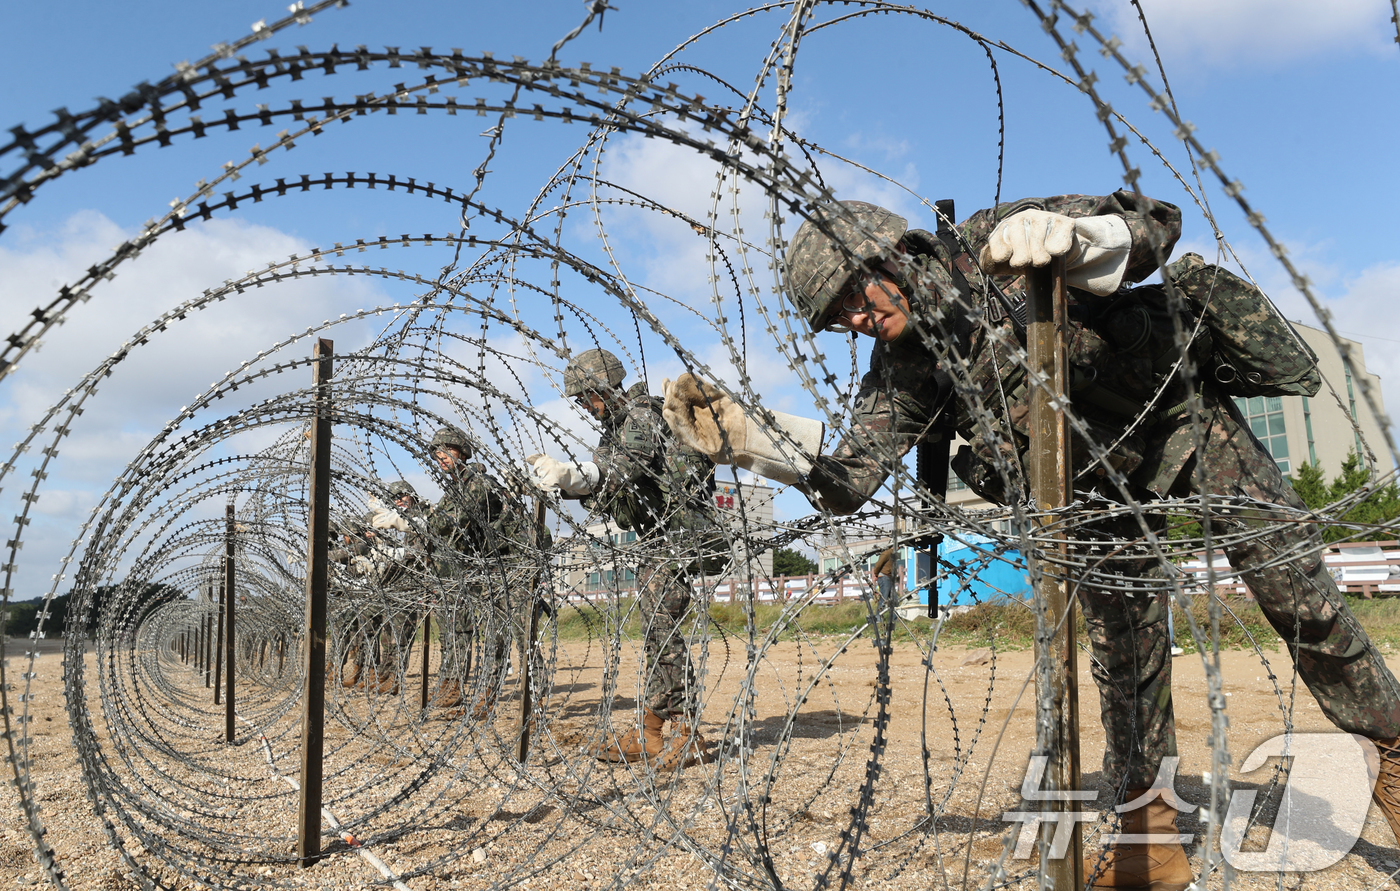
1332,435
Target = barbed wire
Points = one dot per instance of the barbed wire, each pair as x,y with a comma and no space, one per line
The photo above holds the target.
429,640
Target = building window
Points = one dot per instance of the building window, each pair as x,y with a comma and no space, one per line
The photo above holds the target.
955,484
1264,414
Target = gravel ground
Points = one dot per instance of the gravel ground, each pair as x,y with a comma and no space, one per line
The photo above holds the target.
441,806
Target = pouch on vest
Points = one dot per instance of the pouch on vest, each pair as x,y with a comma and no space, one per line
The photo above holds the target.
690,477
1257,352
976,463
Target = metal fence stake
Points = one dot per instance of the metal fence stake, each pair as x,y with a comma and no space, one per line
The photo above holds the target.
527,645
1057,693
218,651
427,651
313,713
230,567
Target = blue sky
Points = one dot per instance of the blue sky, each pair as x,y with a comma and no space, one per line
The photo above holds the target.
1299,101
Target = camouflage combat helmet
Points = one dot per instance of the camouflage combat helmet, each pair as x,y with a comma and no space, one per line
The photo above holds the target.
597,370
402,487
818,269
451,436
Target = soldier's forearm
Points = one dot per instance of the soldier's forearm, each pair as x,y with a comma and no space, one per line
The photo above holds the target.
841,486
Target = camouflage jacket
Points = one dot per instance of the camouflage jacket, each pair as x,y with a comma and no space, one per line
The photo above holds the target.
407,553
352,539
646,480
900,403
466,520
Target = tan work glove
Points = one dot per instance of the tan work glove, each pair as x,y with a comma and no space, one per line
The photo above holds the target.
706,420
388,518
552,475
1095,249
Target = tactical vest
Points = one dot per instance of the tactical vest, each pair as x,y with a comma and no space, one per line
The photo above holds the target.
1256,350
1122,351
675,492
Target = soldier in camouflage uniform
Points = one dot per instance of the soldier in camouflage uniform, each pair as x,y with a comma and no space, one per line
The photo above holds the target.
363,627
858,267
648,483
467,548
403,576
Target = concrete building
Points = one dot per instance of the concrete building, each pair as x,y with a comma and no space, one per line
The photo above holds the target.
602,562
1315,430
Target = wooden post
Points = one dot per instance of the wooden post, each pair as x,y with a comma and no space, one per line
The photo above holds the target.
206,628
1057,693
527,645
218,651
313,699
227,619
427,651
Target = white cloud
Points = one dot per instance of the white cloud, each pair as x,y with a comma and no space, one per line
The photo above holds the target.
65,504
151,386
1250,32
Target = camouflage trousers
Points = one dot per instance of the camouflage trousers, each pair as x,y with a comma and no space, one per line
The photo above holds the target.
477,615
1127,625
485,619
670,677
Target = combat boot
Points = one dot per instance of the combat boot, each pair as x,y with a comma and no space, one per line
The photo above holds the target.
386,681
483,705
684,747
1151,866
1386,792
448,696
351,677
642,741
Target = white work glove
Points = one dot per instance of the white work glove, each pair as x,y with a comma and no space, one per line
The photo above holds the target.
361,565
1095,249
573,479
388,518
711,423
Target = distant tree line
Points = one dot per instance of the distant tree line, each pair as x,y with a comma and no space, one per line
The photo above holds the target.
786,561
23,617
1373,516
1377,510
